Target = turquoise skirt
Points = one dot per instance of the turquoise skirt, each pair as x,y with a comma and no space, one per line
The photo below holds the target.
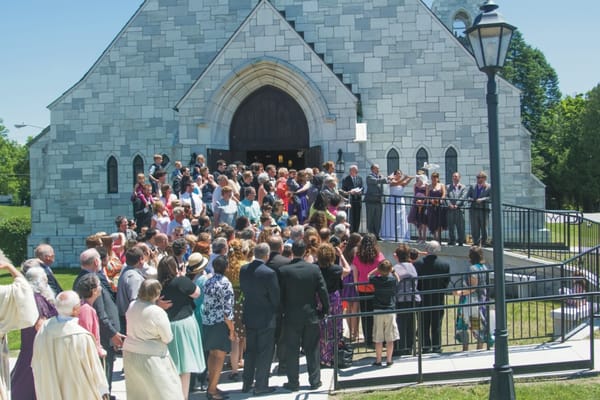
186,346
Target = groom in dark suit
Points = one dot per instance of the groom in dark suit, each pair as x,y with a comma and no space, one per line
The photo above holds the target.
373,199
301,283
352,187
261,299
480,196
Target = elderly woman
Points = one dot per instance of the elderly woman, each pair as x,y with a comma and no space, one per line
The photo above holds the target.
406,297
151,373
89,289
186,346
218,328
22,376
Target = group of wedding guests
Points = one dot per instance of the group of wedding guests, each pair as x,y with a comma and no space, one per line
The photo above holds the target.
183,319
436,207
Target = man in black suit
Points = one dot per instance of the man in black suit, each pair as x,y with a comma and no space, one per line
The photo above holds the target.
276,261
106,308
433,276
352,186
261,301
480,196
300,282
373,200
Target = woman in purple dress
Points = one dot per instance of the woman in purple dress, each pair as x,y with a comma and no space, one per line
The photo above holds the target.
436,212
299,190
417,215
22,375
333,275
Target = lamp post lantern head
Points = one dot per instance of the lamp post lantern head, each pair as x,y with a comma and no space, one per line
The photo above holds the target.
490,37
339,164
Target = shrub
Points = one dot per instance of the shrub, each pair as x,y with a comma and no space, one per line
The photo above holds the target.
13,238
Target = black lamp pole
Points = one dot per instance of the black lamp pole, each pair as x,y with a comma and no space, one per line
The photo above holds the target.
490,37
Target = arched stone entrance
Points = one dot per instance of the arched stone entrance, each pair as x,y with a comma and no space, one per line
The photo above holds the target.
269,126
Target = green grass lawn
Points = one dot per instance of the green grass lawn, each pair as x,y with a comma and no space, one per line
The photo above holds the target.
574,233
65,276
14,211
564,389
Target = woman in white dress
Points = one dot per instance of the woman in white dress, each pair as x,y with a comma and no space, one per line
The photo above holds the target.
394,225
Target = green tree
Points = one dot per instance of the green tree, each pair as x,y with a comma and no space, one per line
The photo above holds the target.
527,69
14,168
584,157
559,132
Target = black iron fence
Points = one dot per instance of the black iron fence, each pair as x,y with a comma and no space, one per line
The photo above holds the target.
554,235
548,303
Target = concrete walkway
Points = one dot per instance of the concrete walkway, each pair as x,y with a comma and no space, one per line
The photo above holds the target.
433,364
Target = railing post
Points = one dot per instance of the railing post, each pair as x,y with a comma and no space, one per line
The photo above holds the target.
528,233
336,350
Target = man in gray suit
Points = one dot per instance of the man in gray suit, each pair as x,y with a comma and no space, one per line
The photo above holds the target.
456,194
106,308
373,199
480,197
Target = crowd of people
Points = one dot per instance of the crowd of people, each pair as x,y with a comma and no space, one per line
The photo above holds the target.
248,263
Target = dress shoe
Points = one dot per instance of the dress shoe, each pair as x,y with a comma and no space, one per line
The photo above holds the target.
280,371
246,387
315,386
261,392
290,387
197,388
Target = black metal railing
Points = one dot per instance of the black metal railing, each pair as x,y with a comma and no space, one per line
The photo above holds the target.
545,303
549,234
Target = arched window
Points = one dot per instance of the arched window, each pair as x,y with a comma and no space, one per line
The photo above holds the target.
138,166
422,158
460,23
393,161
112,175
451,163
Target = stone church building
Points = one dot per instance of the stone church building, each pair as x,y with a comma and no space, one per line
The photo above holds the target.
289,82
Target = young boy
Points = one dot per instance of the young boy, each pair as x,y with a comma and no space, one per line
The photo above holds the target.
384,279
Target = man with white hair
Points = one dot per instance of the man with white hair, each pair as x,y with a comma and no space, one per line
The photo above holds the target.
353,186
434,277
45,253
296,233
106,308
65,360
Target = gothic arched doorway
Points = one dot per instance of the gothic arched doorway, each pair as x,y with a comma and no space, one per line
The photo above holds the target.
270,127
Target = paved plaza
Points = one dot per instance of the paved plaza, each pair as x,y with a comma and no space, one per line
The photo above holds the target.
520,356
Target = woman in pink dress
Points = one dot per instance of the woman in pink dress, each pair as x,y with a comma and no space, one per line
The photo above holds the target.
366,259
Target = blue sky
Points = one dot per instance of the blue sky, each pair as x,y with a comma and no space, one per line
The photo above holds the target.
47,45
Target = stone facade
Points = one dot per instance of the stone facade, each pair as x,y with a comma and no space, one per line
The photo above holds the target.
172,78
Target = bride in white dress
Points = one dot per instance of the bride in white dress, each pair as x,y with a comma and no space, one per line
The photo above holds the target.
394,225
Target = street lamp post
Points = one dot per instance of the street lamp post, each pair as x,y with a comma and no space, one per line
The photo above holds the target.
23,125
490,37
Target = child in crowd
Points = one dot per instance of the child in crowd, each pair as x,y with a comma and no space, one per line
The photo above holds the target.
138,189
384,279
